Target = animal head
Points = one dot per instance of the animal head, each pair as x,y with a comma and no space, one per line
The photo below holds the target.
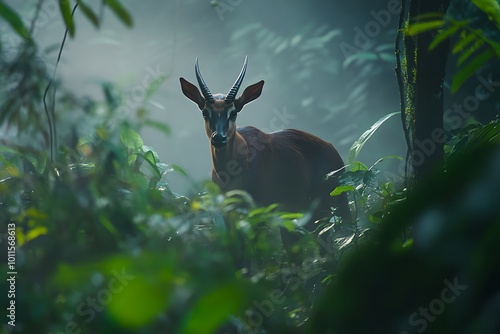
219,110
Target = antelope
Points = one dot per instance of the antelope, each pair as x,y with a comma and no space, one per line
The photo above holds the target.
286,167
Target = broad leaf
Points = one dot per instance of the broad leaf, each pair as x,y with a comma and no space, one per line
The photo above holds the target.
130,138
358,144
341,189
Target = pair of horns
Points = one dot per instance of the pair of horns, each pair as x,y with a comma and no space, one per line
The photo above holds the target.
232,92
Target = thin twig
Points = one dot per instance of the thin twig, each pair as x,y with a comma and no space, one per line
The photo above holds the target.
35,17
52,113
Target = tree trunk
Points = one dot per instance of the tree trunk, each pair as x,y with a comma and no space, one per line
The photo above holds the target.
425,71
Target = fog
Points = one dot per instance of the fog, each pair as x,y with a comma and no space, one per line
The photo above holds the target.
327,67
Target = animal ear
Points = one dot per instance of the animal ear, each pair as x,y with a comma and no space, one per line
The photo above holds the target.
192,93
251,93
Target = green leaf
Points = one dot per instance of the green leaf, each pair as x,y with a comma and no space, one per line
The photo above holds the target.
108,225
205,318
376,217
463,42
490,8
358,144
484,134
467,53
89,14
38,162
7,149
35,233
468,70
291,215
120,12
357,165
408,244
152,294
153,86
15,22
149,158
420,27
131,139
64,7
158,126
154,154
262,210
443,35
341,189
289,225
179,169
131,159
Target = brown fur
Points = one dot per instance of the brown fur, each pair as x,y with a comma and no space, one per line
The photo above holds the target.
286,167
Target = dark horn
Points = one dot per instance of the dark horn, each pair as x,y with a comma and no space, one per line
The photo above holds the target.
234,90
203,86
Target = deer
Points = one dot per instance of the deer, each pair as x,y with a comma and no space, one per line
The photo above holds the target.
288,167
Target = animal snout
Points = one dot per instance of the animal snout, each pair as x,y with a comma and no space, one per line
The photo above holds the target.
218,140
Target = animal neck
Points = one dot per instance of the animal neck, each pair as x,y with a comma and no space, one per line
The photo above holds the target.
230,162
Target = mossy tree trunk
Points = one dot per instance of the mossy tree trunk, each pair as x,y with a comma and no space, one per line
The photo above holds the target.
424,72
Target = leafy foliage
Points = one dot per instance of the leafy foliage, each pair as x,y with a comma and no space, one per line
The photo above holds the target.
104,245
13,20
473,47
373,192
395,286
472,136
358,144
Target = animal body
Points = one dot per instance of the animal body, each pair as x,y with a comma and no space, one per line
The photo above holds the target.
286,167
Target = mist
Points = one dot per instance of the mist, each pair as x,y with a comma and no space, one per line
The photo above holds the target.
327,67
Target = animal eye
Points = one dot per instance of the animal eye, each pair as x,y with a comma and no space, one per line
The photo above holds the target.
205,114
233,115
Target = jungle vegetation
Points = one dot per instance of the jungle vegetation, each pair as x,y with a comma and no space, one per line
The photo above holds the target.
105,243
